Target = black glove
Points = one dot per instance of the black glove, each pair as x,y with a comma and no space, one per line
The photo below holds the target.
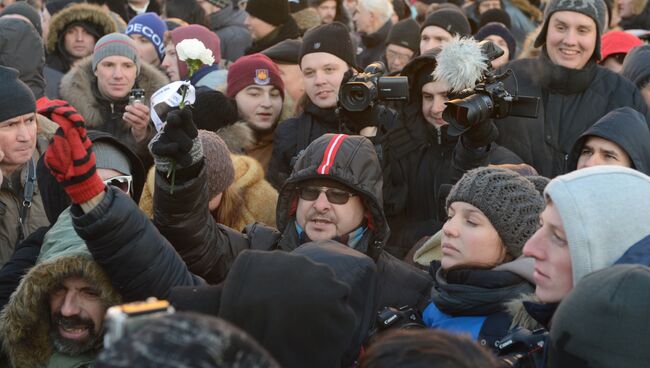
480,135
177,141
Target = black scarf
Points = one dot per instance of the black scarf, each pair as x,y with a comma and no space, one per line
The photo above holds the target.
326,117
566,81
473,292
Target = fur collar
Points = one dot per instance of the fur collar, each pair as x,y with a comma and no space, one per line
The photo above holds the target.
520,317
77,89
24,322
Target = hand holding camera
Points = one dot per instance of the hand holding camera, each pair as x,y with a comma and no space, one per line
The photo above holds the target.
137,114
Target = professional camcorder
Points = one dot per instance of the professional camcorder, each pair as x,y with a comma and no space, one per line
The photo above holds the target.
364,89
488,99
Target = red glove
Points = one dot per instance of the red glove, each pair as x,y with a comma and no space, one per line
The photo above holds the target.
69,156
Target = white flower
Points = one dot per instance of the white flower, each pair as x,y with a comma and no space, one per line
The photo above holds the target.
193,49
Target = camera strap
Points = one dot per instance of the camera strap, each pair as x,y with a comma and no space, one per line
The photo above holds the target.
304,129
28,195
494,328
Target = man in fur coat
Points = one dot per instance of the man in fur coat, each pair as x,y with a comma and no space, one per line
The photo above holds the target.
99,89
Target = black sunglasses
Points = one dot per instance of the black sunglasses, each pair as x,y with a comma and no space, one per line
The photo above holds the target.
334,196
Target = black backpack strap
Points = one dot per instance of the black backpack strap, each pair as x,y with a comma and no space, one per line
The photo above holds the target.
304,130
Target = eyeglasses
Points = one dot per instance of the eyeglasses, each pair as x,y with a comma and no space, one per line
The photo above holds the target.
390,54
122,183
334,196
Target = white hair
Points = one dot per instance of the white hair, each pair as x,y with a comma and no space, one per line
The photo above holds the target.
382,8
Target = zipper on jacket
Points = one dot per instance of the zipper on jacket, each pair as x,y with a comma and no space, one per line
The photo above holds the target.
439,134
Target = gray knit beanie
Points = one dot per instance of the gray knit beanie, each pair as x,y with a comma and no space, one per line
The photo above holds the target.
115,44
108,156
219,167
595,9
507,199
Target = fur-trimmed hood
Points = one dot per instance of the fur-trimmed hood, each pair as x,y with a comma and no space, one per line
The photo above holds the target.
78,87
78,13
519,314
25,321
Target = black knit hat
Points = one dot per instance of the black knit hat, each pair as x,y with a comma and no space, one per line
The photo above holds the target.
275,12
507,199
26,10
495,15
285,52
405,33
498,29
451,20
595,9
15,97
333,38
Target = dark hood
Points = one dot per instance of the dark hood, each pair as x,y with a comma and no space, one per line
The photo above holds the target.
228,16
22,48
635,66
353,162
625,127
310,308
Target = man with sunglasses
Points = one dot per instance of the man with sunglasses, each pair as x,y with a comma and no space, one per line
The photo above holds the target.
334,192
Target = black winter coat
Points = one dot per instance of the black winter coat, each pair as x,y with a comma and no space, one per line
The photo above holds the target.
571,102
209,249
125,243
373,46
286,31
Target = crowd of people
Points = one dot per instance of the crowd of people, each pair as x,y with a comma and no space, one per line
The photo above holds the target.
325,183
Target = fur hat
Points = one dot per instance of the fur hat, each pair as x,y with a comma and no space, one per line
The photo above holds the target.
89,14
507,199
595,9
219,168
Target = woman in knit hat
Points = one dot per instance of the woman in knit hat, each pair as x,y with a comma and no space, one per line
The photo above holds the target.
491,214
256,88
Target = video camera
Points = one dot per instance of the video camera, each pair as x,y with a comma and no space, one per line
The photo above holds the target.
364,89
488,99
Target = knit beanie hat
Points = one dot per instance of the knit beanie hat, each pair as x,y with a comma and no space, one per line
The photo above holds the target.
595,9
255,69
274,12
201,33
618,42
15,97
604,321
495,15
285,52
507,199
150,26
405,33
212,110
27,11
451,20
109,157
635,66
498,29
220,3
219,168
333,38
115,44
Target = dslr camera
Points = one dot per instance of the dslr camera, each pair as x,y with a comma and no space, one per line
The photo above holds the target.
398,318
364,89
489,98
124,319
522,347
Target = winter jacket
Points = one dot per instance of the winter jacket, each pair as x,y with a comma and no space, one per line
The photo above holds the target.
473,301
21,48
420,163
373,46
209,249
25,322
79,88
571,101
57,57
625,127
286,31
294,135
12,195
228,24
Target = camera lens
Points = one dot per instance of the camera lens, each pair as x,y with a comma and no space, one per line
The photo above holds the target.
356,96
463,113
